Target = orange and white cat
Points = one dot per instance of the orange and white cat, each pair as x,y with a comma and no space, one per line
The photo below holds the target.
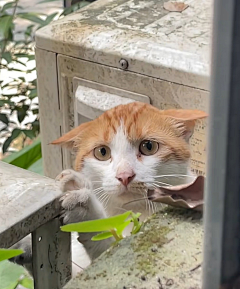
119,156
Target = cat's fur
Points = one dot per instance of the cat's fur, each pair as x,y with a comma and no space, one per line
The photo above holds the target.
96,190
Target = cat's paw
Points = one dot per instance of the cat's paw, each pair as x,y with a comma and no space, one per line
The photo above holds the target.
79,202
70,180
75,205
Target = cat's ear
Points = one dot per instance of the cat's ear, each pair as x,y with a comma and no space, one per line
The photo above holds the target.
185,119
70,139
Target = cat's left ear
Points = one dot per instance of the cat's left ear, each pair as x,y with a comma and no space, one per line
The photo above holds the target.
185,119
70,139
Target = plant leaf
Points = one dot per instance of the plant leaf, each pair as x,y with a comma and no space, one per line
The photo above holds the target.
6,25
7,56
26,283
21,113
46,1
33,93
121,227
102,236
6,254
4,118
10,274
25,157
29,133
33,17
97,225
37,167
14,135
10,5
74,7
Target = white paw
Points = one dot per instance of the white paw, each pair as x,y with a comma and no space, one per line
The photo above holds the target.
78,202
75,205
75,201
70,180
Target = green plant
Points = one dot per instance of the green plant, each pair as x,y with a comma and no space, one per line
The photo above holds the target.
12,275
18,93
29,158
109,227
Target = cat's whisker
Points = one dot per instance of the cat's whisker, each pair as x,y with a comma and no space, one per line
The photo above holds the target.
151,205
162,183
103,197
174,175
136,200
104,200
105,205
98,190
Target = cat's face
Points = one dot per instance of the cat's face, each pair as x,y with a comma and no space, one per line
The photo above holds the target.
133,146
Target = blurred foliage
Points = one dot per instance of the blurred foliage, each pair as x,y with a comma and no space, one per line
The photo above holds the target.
18,97
12,275
29,158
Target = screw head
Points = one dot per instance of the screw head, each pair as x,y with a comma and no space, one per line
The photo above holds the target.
123,64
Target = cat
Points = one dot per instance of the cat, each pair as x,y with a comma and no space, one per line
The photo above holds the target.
119,156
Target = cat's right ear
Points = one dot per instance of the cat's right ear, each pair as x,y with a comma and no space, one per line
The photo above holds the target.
70,139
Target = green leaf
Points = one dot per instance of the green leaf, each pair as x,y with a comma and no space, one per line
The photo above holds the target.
46,1
10,5
10,274
29,30
121,227
35,111
27,283
48,19
21,113
37,167
7,56
14,135
29,133
6,25
6,254
4,118
26,157
33,17
102,236
33,93
74,7
24,55
97,225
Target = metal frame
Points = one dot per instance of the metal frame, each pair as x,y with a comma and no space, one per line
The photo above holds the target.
222,210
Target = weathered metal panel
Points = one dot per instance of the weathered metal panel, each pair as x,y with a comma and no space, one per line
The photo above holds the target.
171,46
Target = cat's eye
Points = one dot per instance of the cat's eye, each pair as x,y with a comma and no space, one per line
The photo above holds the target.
148,147
102,153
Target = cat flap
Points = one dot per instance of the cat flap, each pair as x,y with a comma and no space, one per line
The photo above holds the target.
185,196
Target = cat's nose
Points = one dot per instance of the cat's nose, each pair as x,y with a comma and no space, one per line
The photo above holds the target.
125,177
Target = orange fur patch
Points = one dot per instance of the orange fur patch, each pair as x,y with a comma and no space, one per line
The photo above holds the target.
141,121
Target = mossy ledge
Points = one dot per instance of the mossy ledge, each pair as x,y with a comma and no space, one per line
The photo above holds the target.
166,253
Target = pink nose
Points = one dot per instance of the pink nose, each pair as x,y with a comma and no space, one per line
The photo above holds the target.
125,177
